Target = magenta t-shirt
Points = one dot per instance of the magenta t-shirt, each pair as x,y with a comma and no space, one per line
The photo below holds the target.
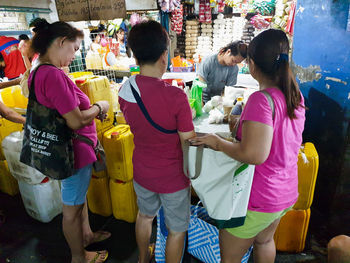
157,157
275,183
55,90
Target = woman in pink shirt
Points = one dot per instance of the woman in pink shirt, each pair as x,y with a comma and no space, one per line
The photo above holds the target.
269,135
57,43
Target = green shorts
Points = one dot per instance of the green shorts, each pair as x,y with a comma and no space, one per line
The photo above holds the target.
255,222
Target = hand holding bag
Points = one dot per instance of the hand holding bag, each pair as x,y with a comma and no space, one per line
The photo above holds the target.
222,184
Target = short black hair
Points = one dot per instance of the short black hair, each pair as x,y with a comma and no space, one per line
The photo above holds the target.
148,41
23,37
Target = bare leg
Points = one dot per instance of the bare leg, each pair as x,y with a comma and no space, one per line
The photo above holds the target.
233,248
174,246
73,232
143,230
87,232
264,244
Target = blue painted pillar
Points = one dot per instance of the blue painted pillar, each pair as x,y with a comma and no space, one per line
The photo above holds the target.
321,58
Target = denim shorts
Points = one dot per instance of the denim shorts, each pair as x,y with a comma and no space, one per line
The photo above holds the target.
176,206
74,188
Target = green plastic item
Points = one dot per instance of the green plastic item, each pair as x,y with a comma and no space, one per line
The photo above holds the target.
192,101
196,94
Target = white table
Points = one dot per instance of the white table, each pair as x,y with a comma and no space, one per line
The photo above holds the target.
243,80
186,76
201,124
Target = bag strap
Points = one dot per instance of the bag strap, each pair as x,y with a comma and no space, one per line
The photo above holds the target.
199,158
83,138
272,106
146,114
32,88
271,102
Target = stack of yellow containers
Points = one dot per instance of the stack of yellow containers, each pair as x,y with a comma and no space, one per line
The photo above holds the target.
111,192
119,146
292,230
12,97
98,88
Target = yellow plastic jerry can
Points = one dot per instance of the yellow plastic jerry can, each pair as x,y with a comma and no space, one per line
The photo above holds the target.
97,88
8,184
124,202
307,174
6,128
98,196
118,143
291,232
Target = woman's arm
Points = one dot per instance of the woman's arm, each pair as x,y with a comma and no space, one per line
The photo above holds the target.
77,119
10,114
254,147
186,136
10,83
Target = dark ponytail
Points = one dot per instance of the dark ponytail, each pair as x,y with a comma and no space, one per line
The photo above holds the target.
46,33
236,48
269,51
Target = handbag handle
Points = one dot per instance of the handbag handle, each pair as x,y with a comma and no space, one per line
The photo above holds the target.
199,157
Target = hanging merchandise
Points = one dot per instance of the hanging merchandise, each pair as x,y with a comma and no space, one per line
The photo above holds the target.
169,5
114,26
135,19
259,22
233,3
177,20
221,6
284,15
290,21
204,11
263,7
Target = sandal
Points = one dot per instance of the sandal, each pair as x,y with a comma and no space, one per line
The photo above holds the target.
98,254
151,249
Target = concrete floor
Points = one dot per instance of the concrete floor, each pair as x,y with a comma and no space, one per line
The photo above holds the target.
25,240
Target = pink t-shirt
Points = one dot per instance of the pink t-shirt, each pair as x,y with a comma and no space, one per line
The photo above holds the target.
55,90
157,157
275,183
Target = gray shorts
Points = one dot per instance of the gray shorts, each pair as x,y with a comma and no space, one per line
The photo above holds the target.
176,206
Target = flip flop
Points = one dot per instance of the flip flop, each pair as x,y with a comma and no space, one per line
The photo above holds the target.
99,236
151,249
98,253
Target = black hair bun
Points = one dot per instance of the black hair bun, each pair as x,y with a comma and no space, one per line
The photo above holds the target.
41,25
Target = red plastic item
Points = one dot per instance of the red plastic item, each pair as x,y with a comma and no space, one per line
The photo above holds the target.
45,180
79,81
180,82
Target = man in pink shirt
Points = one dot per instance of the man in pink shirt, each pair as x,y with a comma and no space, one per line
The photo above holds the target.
158,169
